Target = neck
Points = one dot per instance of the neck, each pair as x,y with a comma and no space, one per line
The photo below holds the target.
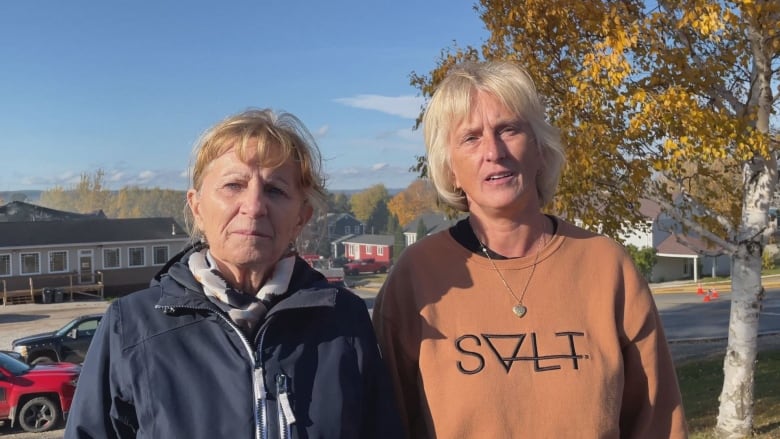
513,239
241,278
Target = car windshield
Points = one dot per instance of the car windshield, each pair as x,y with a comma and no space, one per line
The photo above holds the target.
13,365
65,329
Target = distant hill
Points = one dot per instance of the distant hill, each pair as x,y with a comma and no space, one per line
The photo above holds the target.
34,196
26,196
350,192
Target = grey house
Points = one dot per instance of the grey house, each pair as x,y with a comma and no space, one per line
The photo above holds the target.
88,254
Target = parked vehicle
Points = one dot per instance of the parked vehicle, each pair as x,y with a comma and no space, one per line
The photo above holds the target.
68,343
365,266
12,354
333,274
38,397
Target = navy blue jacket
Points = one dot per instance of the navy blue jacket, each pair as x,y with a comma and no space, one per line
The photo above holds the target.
166,363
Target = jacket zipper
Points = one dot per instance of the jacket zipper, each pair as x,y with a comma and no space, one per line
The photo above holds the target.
285,415
261,411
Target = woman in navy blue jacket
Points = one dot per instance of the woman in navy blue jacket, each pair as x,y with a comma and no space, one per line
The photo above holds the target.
237,336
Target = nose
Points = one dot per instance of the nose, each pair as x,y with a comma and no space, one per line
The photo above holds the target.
494,148
253,202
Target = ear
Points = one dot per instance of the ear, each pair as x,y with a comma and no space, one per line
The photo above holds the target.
303,217
193,201
454,180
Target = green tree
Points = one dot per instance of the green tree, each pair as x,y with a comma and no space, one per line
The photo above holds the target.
338,202
422,229
370,207
644,259
651,99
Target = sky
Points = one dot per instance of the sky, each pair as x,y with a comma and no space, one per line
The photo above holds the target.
127,87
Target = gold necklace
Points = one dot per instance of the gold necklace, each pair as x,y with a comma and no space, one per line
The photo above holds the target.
520,310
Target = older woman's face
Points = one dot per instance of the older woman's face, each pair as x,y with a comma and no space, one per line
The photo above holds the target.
494,159
249,214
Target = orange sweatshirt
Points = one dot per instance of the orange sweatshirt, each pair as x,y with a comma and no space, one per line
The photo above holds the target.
588,360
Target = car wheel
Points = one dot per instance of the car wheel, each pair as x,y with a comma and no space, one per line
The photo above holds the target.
383,269
39,414
42,360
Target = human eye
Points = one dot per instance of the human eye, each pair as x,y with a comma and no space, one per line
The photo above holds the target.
469,139
275,190
233,186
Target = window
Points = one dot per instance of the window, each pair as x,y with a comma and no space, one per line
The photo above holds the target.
380,250
136,257
58,261
368,249
5,265
110,258
346,230
30,263
160,254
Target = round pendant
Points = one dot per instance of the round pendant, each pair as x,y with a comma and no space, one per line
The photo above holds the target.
519,310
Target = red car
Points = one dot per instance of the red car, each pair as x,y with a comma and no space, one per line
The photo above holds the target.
38,397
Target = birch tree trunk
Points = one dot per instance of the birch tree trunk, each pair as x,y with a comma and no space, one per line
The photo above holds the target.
735,415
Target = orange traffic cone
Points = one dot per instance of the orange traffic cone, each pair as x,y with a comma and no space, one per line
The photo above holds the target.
714,293
706,298
700,290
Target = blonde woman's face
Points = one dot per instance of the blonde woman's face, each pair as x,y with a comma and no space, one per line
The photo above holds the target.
249,214
494,159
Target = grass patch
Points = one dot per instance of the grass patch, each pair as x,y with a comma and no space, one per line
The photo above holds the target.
365,279
701,383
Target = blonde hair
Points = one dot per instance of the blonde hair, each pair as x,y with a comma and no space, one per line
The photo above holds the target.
274,137
451,103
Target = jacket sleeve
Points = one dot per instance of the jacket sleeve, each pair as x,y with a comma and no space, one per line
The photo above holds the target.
652,404
98,409
382,419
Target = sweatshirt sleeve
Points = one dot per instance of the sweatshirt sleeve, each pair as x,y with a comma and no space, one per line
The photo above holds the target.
98,410
652,404
398,335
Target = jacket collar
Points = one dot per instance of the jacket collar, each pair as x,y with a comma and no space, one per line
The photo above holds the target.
308,287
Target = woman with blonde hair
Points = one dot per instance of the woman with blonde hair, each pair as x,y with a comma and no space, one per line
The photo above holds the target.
237,336
515,323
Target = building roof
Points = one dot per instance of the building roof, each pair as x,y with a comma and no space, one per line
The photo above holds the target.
19,211
691,247
88,231
387,240
434,222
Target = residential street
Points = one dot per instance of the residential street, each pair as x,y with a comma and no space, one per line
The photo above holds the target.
694,328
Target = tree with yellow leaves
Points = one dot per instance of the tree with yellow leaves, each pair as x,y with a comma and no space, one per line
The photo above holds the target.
418,198
653,99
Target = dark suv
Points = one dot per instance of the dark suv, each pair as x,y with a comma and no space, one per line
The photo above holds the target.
68,343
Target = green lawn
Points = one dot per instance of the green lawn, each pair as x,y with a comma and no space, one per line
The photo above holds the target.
701,382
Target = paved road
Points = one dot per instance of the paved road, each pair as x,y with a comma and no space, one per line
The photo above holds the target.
687,317
694,328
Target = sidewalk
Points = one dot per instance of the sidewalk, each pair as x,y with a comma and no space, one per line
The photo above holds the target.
688,286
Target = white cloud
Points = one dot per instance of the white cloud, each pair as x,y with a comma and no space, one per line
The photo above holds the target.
379,166
407,107
321,132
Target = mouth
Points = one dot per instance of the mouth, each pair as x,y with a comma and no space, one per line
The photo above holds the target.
499,176
252,233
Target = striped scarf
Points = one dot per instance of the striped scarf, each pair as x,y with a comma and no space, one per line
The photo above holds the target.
245,310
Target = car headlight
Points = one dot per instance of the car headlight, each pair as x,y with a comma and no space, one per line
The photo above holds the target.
21,350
